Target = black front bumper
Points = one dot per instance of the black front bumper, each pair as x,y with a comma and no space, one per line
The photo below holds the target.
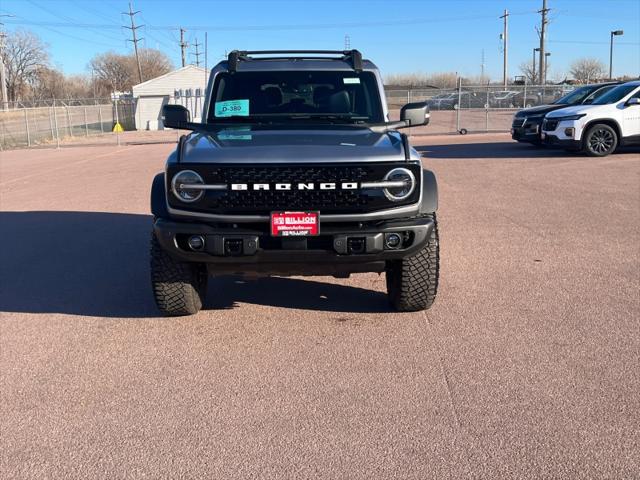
338,250
529,132
568,144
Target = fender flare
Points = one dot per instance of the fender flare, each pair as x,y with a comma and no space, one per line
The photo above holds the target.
429,203
158,197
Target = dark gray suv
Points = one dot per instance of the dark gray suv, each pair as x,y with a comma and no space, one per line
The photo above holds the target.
294,169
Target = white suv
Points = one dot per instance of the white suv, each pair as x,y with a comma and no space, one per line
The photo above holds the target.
599,128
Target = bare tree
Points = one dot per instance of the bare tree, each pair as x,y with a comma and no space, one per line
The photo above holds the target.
154,63
587,70
23,54
411,80
120,72
527,70
47,83
113,71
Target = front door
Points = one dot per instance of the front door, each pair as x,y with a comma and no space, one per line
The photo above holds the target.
631,119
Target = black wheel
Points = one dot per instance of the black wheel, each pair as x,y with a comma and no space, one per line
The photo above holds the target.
600,141
179,288
412,283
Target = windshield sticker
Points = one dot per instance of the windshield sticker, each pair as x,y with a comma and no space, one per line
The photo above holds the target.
232,108
348,81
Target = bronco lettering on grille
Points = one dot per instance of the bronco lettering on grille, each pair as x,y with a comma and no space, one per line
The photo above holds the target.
298,186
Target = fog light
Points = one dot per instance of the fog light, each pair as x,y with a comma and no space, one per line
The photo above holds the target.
569,132
392,240
196,242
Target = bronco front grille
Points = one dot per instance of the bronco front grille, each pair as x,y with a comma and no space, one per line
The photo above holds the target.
253,202
518,122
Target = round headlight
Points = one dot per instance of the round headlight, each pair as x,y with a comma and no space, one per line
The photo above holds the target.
181,183
404,177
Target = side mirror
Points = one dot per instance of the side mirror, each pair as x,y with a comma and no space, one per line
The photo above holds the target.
633,101
175,116
415,114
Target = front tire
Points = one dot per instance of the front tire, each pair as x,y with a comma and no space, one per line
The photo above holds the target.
412,283
600,141
179,288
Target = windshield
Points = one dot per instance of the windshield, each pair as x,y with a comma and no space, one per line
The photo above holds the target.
577,95
277,96
615,94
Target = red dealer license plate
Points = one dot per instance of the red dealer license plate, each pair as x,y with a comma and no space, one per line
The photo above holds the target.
295,224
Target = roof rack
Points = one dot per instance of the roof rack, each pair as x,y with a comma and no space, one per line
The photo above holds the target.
352,56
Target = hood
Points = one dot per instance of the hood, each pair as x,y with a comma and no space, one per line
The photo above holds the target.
244,144
576,109
539,110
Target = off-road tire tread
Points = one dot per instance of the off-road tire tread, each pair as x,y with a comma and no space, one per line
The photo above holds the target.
412,282
179,287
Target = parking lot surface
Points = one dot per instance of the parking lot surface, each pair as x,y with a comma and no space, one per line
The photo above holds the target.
527,366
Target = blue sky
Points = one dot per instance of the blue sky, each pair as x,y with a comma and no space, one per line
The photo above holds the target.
400,36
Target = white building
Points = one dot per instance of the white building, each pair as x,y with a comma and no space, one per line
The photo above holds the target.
184,86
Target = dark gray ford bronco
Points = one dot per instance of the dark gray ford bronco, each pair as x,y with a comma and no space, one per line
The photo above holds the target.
294,169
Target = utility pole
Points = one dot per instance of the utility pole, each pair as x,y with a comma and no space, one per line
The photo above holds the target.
135,40
543,30
505,39
3,73
206,64
198,53
347,42
482,66
183,46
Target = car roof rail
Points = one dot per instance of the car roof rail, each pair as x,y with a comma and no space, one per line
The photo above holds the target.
354,57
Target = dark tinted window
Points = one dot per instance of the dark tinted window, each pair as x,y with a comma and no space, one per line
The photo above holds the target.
597,94
615,95
299,94
577,96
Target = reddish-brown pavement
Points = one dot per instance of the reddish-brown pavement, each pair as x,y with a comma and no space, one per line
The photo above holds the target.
528,365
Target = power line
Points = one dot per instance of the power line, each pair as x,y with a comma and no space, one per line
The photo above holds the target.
326,26
589,42
68,35
159,41
135,40
69,19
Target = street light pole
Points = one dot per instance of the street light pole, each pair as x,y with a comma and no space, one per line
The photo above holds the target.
533,64
546,60
613,34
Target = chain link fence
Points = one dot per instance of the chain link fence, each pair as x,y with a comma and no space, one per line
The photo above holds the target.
473,108
54,122
467,108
